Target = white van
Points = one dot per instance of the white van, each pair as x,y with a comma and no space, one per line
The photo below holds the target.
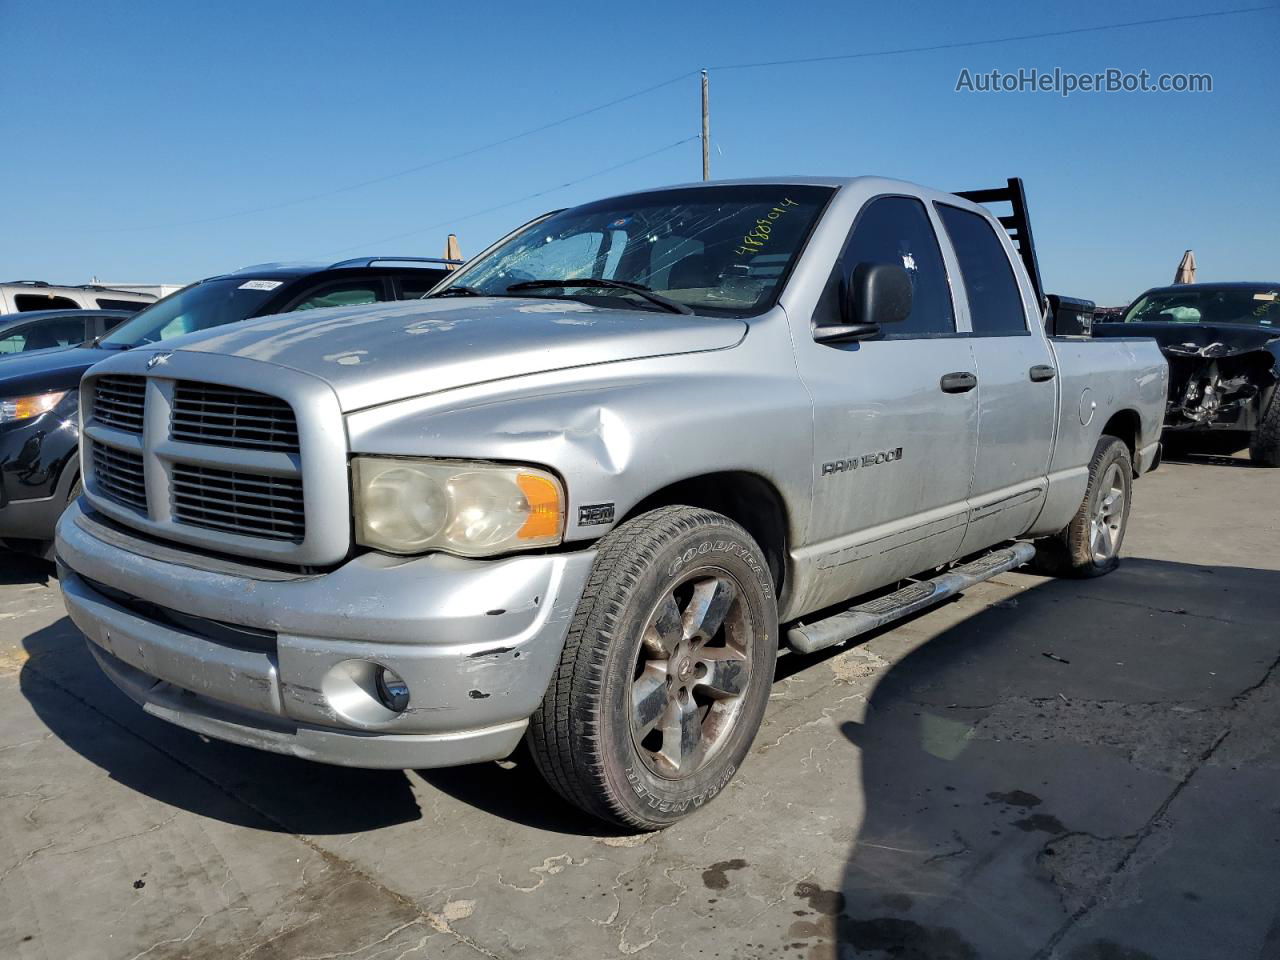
21,296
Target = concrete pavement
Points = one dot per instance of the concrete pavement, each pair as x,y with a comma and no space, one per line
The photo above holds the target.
1078,770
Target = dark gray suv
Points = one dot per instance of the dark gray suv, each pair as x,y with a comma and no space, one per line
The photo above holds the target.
39,470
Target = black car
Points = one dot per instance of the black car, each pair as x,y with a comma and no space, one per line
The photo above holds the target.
1222,341
50,329
39,471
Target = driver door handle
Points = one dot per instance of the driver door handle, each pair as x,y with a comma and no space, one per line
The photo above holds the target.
1042,372
961,382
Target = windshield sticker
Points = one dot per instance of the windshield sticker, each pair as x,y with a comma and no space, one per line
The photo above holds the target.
260,284
755,239
1265,296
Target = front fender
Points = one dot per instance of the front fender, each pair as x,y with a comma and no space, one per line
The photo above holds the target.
617,434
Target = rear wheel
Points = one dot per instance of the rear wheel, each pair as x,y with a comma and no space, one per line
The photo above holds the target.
1089,546
666,671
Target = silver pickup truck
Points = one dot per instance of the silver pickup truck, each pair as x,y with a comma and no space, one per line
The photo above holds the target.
582,491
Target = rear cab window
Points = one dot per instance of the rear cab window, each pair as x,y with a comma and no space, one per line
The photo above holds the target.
995,302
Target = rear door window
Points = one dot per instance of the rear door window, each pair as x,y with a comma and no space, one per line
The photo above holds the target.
995,303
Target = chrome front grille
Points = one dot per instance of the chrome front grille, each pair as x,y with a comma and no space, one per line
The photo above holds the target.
249,504
231,417
219,453
118,402
119,475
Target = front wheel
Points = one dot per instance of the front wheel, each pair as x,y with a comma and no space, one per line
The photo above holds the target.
46,546
666,671
1089,546
1264,447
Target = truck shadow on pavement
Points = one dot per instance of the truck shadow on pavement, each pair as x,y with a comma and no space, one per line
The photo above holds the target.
1081,806
77,702
21,568
1214,460
247,787
1003,788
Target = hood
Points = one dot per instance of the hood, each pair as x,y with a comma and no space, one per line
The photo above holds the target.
45,370
1188,339
393,351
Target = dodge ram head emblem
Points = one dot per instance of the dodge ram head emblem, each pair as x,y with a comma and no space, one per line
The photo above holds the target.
157,359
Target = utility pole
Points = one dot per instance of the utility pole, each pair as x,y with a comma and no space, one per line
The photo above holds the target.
706,128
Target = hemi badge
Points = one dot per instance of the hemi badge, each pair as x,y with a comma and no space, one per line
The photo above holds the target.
595,514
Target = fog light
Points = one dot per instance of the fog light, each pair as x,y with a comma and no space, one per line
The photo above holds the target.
392,691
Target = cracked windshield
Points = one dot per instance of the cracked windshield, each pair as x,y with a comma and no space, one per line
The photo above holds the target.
722,250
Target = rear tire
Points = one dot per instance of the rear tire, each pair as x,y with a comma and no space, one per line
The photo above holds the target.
1089,546
1264,448
666,671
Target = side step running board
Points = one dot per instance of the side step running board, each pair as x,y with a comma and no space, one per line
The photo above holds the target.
867,616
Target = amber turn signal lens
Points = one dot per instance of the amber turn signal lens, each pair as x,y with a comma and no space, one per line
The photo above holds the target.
546,512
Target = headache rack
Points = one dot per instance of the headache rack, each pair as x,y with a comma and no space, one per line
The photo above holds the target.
1017,223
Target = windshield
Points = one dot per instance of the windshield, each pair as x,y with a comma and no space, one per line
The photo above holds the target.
721,249
197,307
1252,305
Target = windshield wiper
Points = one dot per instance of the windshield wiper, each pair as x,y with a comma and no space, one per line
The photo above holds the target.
458,290
639,289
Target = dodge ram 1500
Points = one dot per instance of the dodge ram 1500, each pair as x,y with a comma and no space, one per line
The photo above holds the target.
582,491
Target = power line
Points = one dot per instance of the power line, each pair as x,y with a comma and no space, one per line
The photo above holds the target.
866,54
423,166
512,203
961,44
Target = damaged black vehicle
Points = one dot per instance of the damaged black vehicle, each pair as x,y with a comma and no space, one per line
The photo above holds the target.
1222,341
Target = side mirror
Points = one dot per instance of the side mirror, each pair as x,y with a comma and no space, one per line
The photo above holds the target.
875,294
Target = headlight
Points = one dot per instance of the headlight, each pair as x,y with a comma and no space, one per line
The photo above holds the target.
24,408
471,509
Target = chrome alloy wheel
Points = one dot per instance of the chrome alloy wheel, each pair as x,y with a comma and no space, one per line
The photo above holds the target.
1107,523
691,672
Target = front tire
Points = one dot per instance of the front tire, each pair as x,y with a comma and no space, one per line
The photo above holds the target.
1089,546
47,550
665,673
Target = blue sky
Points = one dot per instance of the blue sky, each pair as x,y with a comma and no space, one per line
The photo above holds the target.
128,121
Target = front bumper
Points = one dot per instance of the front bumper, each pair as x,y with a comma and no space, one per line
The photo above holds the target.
285,662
